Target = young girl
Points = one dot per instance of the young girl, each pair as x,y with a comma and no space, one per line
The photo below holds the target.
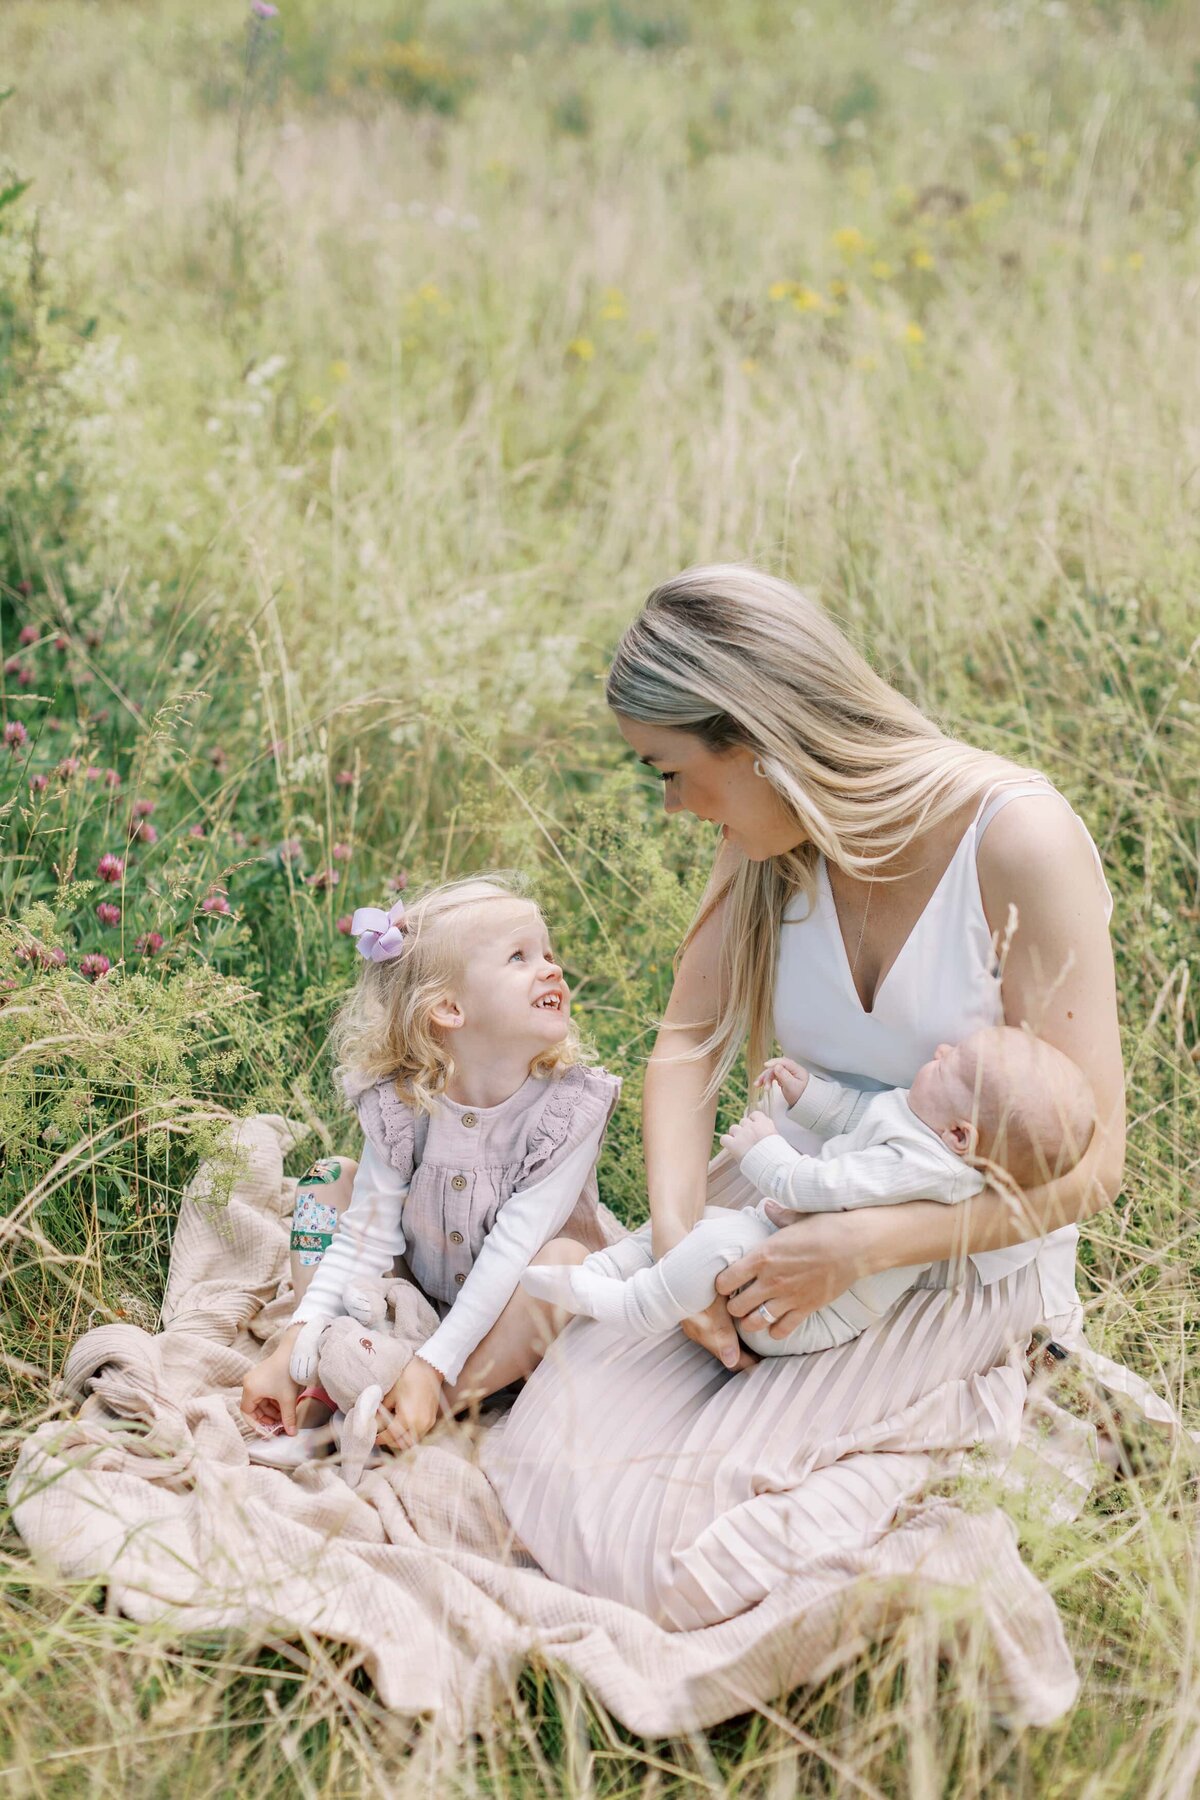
483,1125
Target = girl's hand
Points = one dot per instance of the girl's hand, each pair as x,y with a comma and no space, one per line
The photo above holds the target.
269,1394
791,1077
751,1130
414,1403
808,1263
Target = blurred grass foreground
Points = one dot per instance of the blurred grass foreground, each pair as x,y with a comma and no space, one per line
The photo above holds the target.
361,366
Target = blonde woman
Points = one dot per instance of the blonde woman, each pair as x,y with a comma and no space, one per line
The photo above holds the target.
880,888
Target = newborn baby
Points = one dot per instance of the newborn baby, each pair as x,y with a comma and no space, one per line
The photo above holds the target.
1002,1102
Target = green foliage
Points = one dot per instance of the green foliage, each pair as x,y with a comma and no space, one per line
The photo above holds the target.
359,370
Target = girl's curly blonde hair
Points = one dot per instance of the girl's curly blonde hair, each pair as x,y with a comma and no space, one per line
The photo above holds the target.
384,1028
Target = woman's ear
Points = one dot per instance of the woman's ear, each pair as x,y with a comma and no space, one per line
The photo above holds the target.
447,1015
962,1137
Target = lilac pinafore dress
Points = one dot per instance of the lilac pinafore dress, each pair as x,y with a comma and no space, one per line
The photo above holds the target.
463,1163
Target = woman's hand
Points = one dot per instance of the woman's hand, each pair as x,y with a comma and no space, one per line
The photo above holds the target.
808,1263
414,1403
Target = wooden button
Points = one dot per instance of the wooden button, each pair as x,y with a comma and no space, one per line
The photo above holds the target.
456,1237
458,1280
459,1183
470,1118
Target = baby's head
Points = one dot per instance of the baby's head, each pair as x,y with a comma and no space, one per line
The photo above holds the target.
1004,1097
470,961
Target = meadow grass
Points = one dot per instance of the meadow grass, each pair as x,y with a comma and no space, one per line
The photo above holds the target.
359,371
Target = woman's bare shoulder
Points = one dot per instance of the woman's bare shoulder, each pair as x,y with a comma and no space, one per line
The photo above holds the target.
1033,849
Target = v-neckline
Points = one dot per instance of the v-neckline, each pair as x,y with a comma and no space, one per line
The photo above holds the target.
868,1012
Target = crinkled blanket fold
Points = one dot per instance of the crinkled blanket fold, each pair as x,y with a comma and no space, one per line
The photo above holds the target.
149,1488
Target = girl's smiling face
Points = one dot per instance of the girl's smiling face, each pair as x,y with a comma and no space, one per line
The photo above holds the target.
511,989
720,786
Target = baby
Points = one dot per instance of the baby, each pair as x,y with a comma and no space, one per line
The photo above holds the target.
1002,1102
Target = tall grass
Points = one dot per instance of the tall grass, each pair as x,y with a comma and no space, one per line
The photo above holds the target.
360,370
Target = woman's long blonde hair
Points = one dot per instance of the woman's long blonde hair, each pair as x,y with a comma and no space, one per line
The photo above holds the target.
384,1029
738,657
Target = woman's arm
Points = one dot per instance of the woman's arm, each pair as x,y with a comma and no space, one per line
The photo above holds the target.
1043,898
677,1121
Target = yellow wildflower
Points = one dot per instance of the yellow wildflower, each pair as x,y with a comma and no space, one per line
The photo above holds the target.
913,333
779,290
614,306
806,299
920,258
340,370
1135,260
849,242
838,288
581,347
749,364
882,271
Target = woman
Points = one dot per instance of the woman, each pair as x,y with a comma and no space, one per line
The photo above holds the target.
880,888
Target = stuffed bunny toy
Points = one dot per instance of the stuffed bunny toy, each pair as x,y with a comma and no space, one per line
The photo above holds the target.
356,1359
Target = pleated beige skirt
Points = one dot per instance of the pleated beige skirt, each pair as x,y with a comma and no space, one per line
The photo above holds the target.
641,1471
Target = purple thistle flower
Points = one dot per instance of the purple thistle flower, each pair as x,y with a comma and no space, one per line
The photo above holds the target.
323,879
15,735
342,852
108,914
143,808
111,778
29,634
262,9
216,903
38,783
110,867
94,965
196,831
150,943
399,882
68,766
346,924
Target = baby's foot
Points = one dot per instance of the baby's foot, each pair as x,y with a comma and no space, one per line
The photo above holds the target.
553,1282
636,1304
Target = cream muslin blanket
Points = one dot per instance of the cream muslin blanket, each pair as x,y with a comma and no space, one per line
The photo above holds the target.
148,1488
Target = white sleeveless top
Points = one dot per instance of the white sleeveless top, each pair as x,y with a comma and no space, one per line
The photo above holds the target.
943,985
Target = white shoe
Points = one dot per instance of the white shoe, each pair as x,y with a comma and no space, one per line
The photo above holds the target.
310,1443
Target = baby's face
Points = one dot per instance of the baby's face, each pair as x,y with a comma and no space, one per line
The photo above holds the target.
943,1089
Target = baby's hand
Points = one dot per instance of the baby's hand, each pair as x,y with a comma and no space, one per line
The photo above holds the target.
749,1131
791,1077
414,1403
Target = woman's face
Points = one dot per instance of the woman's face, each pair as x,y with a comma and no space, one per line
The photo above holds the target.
718,785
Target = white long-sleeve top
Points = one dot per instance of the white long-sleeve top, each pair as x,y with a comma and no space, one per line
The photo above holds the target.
370,1236
877,1153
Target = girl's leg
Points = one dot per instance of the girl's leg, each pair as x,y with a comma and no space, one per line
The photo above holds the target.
321,1196
518,1340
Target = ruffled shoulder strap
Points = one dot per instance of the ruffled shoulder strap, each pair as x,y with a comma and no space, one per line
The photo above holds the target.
388,1125
579,1100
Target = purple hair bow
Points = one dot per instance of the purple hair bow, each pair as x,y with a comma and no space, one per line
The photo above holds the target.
379,933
